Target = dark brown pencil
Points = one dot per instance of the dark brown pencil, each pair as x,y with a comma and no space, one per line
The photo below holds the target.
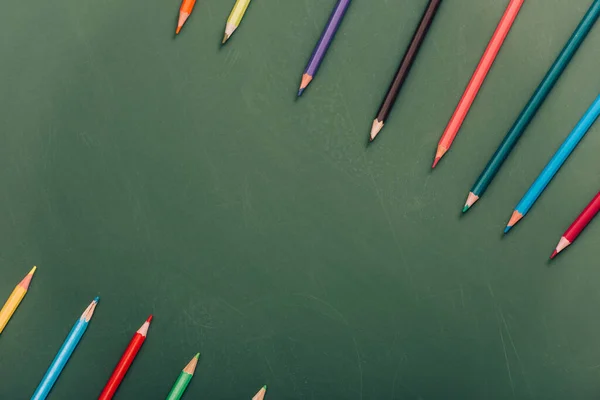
405,66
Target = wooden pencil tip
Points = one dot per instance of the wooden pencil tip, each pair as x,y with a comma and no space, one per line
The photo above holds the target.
435,162
514,219
471,199
554,253
97,299
178,30
197,356
225,38
375,129
150,318
300,92
32,270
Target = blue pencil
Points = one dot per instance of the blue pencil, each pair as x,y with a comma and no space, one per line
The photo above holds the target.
64,353
559,158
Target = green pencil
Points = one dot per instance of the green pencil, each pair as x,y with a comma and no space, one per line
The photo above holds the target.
533,105
184,379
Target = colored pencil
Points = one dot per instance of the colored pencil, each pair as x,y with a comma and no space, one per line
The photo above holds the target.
15,299
183,380
261,393
559,158
235,18
580,223
65,352
125,362
184,13
468,97
533,105
323,44
404,69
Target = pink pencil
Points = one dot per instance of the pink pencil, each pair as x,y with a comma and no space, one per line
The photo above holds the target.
586,216
477,79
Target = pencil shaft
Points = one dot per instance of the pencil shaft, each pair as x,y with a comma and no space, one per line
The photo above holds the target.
559,158
327,36
63,355
15,298
488,58
122,367
10,306
536,100
60,360
180,385
408,60
238,11
582,221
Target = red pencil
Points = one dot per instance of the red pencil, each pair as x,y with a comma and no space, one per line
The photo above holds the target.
125,362
578,225
477,79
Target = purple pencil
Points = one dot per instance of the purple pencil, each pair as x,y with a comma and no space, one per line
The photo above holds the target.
326,38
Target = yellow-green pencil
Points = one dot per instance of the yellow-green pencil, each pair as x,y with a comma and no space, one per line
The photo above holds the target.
235,18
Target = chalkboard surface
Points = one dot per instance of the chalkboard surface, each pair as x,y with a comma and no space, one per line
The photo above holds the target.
174,177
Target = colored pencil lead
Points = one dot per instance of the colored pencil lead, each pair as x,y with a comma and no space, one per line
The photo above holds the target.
225,38
554,253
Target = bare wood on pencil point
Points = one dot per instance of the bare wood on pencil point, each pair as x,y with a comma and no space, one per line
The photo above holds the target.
441,150
261,393
562,244
183,16
375,129
27,280
471,199
190,368
306,79
514,219
89,311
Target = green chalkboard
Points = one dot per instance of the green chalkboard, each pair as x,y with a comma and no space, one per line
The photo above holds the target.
172,176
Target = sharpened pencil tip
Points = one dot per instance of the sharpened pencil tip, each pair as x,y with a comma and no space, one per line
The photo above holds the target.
97,299
554,253
300,92
225,38
178,30
508,228
197,356
32,270
150,318
435,162
465,208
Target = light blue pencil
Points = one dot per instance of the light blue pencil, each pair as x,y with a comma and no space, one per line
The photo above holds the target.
64,353
559,158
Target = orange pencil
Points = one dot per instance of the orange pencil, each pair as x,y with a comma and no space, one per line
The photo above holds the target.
477,79
184,12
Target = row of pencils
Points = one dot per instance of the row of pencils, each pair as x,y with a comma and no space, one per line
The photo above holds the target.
453,127
75,336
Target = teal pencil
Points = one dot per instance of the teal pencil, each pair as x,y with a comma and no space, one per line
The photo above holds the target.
64,353
533,105
559,158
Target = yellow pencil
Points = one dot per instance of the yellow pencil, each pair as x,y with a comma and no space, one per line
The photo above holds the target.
235,18
15,299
